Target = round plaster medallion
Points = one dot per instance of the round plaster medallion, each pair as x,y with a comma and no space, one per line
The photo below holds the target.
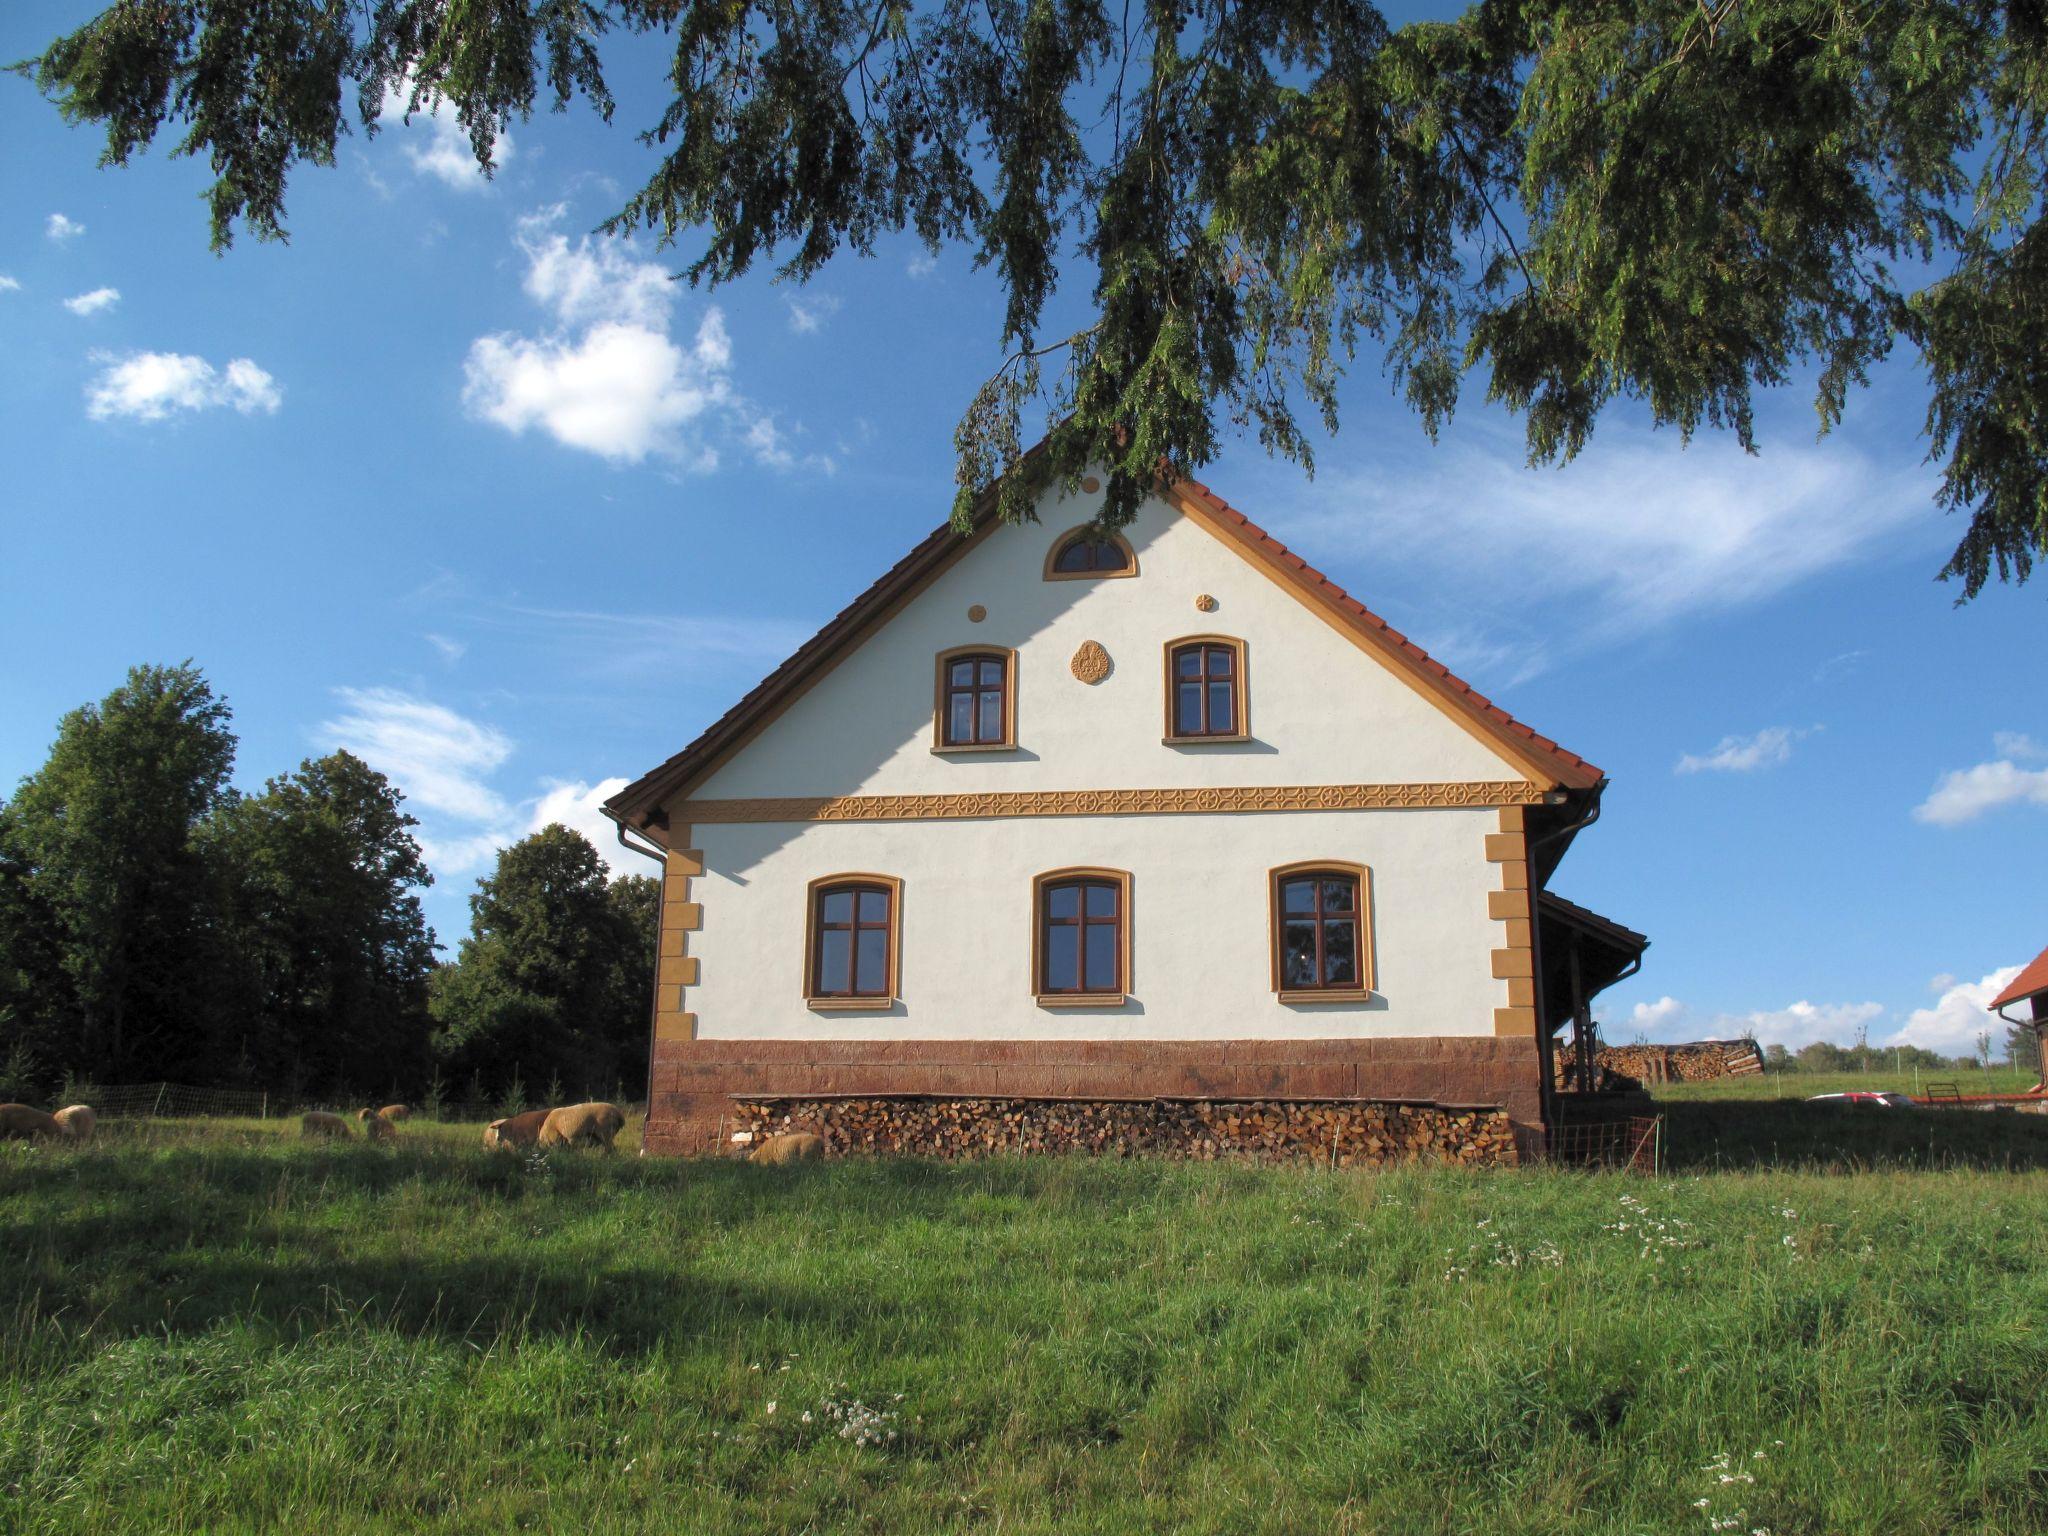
1091,485
976,614
1206,603
1091,662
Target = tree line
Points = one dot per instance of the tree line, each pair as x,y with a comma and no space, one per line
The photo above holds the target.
157,923
2022,1049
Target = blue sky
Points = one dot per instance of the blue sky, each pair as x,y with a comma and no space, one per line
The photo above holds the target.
450,482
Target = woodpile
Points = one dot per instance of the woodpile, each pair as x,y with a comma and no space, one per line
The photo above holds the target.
1344,1132
1681,1063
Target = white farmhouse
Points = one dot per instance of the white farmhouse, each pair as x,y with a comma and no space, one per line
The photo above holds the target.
1167,817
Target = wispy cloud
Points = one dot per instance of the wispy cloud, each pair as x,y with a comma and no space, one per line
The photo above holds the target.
923,264
1746,754
441,759
445,763
92,303
61,229
1635,536
9,284
1964,794
1669,1021
1838,666
148,386
452,650
808,314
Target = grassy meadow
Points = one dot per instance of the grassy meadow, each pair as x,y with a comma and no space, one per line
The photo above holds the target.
228,1330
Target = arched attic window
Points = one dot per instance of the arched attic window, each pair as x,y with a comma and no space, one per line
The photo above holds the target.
1087,554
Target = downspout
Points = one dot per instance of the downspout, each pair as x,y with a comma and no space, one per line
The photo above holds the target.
654,991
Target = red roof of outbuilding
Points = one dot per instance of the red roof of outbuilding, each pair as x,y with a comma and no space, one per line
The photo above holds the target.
2033,977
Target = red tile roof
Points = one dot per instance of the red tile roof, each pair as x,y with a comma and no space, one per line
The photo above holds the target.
852,624
2033,977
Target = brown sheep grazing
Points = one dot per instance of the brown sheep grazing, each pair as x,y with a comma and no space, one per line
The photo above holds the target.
578,1125
516,1130
395,1113
78,1121
318,1123
790,1147
20,1123
376,1127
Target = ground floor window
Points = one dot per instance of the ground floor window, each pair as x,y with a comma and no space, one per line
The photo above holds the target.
852,941
1321,916
1081,936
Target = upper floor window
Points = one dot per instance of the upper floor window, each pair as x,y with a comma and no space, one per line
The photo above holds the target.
1205,696
1081,937
1322,932
977,700
1087,552
852,941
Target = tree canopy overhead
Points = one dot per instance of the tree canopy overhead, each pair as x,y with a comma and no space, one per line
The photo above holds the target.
1667,201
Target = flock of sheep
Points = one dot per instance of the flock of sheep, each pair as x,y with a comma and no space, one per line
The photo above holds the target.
572,1125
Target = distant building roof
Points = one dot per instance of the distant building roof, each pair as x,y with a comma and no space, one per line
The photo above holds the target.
2033,978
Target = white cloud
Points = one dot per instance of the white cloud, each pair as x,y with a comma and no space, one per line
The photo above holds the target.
1958,1016
1669,1021
924,264
1745,754
575,804
61,229
1635,535
438,145
608,377
444,763
439,758
92,303
1964,794
452,650
148,386
9,284
807,316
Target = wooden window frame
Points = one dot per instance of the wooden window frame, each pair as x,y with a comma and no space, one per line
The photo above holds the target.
1368,972
1059,544
1040,884
945,660
1241,691
813,903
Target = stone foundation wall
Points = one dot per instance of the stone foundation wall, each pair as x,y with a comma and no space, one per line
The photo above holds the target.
1320,1132
693,1104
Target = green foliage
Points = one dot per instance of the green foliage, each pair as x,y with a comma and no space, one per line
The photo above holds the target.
250,1334
2023,1047
156,924
556,976
315,880
113,886
1674,202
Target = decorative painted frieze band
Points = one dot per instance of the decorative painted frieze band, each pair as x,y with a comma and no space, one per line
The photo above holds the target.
1116,802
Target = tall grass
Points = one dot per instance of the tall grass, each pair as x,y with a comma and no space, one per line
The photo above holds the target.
219,1334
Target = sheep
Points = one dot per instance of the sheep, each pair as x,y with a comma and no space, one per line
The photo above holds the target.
376,1127
78,1121
20,1123
790,1147
395,1113
316,1123
516,1130
575,1125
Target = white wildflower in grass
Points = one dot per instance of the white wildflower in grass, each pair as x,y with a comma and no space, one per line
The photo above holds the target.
859,1423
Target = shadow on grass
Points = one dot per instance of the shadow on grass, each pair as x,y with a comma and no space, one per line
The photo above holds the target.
180,1237
1702,1136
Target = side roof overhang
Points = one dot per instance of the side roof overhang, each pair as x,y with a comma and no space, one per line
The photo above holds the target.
2031,983
1607,953
642,804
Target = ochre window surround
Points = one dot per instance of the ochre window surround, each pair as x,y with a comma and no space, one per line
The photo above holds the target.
1083,554
980,682
1081,938
1208,698
1321,922
853,941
